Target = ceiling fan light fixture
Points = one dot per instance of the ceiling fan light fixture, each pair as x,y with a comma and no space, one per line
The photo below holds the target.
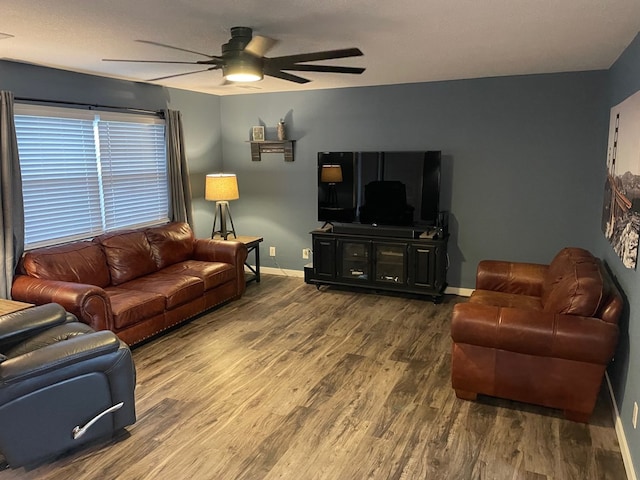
242,71
243,77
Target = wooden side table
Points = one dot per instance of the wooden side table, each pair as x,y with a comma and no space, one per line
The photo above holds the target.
253,245
10,306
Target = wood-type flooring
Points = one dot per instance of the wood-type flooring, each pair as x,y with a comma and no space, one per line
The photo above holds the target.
294,383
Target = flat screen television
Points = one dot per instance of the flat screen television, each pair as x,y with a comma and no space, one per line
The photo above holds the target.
395,188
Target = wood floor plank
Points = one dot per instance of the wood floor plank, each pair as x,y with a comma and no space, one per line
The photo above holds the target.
294,383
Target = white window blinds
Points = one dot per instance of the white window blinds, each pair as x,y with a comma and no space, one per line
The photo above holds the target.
87,172
133,180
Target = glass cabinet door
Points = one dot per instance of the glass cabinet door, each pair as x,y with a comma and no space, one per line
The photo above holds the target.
390,263
354,260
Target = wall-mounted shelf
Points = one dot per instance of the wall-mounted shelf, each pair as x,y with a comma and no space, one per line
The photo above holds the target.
272,146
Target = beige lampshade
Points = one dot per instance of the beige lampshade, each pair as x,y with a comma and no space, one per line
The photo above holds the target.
331,174
221,186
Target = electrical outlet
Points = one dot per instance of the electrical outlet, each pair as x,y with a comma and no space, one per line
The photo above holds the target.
634,418
305,253
272,251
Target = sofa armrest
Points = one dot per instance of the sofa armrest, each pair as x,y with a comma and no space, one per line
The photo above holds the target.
89,303
226,251
58,355
24,323
511,277
531,332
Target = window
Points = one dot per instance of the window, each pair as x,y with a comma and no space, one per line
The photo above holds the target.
86,172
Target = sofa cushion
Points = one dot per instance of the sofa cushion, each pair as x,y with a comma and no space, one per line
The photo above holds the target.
78,262
562,265
176,289
573,283
578,292
212,273
502,299
171,243
130,306
128,255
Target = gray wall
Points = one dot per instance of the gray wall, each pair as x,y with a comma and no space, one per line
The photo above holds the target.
624,81
522,162
200,114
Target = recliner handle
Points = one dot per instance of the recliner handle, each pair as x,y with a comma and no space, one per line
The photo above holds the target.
78,431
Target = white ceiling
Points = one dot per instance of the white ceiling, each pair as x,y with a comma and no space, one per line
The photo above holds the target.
403,41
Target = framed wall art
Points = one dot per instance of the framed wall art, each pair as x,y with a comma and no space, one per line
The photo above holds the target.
621,206
257,134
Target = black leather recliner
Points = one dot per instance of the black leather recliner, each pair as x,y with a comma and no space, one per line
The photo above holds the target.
62,384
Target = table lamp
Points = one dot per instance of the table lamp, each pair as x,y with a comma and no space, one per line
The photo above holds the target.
331,174
222,187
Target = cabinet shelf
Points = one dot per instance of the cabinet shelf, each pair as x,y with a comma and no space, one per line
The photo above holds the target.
272,146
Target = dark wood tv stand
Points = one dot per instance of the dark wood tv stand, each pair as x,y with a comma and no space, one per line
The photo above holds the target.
393,259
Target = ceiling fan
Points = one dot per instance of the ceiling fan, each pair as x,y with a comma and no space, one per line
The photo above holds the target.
243,59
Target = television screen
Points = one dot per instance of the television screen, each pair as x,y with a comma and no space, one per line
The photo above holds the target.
382,188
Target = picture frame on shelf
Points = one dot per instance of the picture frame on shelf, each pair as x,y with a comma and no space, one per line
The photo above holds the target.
257,133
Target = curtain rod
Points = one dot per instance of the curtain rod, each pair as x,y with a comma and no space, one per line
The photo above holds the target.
90,106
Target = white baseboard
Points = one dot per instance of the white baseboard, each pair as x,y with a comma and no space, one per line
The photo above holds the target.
282,271
622,439
462,292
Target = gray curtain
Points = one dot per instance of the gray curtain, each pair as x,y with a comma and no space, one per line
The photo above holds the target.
180,188
11,206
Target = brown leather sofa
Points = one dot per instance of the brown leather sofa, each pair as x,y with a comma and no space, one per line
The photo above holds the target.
541,334
135,283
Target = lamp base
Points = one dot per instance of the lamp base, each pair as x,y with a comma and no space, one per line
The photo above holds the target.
222,212
332,195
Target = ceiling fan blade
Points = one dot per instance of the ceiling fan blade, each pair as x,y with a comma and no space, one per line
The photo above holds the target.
182,74
158,44
147,61
315,56
323,68
259,45
274,72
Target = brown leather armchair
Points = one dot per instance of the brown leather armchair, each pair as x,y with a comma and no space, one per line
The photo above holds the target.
541,334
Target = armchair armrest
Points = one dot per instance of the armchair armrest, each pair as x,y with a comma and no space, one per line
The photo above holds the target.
24,323
56,356
227,251
89,303
511,277
531,332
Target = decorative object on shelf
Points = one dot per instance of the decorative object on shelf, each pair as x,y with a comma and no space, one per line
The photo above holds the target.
282,133
257,133
222,187
331,174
